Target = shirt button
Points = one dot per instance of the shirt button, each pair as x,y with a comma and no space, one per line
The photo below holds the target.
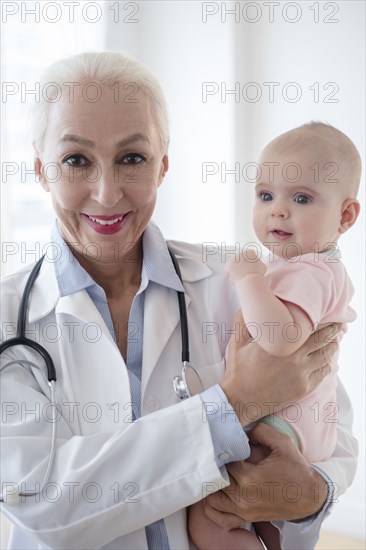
224,456
153,403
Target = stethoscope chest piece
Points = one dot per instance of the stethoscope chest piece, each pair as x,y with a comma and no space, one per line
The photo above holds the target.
189,383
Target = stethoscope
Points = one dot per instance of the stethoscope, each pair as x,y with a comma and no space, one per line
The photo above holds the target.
186,385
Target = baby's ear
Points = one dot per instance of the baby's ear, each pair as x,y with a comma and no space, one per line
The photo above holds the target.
350,212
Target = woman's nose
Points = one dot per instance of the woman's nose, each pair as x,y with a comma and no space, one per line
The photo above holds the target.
106,187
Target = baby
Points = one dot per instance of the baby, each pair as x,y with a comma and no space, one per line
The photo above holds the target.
306,190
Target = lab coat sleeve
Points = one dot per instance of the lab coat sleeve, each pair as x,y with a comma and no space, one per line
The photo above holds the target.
103,485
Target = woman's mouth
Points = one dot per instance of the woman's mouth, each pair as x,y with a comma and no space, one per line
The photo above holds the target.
107,225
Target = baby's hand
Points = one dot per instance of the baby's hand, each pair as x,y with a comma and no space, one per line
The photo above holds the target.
247,263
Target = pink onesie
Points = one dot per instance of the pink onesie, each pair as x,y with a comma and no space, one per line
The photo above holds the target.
319,284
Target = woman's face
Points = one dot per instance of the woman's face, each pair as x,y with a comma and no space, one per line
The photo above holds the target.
102,163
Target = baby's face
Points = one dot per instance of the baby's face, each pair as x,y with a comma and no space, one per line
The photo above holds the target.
298,200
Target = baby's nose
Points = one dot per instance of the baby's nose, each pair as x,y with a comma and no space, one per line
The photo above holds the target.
280,209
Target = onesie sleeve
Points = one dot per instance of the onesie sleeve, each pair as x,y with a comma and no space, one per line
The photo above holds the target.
323,290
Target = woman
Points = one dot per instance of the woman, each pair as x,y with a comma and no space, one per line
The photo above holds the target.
130,457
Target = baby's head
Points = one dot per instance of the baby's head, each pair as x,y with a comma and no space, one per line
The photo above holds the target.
306,190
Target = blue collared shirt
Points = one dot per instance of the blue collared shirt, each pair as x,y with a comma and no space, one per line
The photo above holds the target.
229,441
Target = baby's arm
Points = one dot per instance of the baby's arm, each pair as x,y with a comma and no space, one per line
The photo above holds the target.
207,535
280,327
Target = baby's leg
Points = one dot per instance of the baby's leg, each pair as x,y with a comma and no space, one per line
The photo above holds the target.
207,535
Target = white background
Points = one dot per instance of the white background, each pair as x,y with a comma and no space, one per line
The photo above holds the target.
190,46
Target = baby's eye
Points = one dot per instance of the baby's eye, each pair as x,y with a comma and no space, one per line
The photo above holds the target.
76,161
132,158
265,196
302,199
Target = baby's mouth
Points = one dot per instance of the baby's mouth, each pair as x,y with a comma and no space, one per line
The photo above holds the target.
279,234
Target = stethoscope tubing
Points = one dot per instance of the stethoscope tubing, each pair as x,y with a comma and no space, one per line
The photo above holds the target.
20,339
182,313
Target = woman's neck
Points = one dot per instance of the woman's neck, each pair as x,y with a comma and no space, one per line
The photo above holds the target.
115,277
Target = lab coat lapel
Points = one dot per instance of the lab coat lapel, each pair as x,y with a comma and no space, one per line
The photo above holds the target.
161,313
81,306
161,317
45,297
45,293
95,366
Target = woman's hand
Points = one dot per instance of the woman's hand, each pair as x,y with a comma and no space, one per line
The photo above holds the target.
283,486
257,384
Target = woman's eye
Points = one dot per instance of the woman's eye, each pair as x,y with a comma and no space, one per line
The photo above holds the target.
265,196
75,161
133,158
302,199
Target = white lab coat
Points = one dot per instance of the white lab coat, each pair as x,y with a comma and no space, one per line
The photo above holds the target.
111,477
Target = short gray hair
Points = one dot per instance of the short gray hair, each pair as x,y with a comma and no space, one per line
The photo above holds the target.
101,68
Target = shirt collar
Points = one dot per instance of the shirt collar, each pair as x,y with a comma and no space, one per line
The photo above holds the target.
70,275
157,261
157,266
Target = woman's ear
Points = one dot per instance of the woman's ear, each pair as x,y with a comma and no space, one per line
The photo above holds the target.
349,215
38,168
164,168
